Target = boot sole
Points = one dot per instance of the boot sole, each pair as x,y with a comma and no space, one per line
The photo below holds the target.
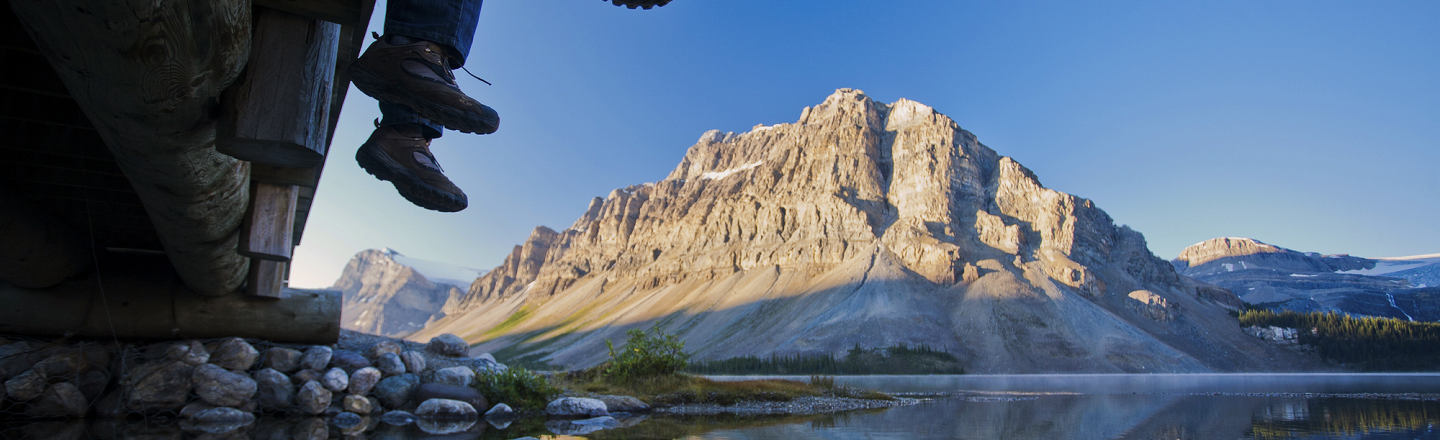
407,183
376,87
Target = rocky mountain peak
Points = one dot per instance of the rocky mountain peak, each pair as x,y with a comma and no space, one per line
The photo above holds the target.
860,223
1217,248
384,296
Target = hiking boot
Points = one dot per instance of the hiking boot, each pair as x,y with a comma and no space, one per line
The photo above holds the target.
416,73
402,156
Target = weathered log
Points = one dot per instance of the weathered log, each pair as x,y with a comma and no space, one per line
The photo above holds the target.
36,249
278,112
149,307
148,73
269,225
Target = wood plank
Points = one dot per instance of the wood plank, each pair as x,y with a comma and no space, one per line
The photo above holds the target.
267,279
267,232
278,113
302,177
147,74
344,12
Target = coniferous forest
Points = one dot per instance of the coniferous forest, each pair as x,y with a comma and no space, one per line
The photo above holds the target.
1371,343
899,359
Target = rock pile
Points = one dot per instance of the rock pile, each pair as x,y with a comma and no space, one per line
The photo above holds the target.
231,380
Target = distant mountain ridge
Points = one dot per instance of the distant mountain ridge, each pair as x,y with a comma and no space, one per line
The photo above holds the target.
389,294
862,223
1274,277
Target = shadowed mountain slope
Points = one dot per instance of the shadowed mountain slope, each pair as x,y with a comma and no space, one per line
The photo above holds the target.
860,223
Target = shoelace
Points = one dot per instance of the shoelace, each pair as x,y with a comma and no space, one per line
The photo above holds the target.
448,72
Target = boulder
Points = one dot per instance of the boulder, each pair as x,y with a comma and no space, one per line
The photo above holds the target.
443,409
312,428
69,363
60,400
302,376
25,386
275,391
220,387
316,358
383,347
313,398
363,380
447,345
234,354
459,376
190,352
623,403
13,360
348,360
336,380
398,418
487,357
500,412
396,391
282,359
356,404
576,407
161,384
390,364
451,392
92,383
566,428
414,361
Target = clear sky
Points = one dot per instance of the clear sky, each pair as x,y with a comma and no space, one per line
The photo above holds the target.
1313,125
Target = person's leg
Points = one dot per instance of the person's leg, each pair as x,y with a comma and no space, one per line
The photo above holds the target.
448,22
395,114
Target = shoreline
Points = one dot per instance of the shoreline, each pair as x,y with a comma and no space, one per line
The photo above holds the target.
798,406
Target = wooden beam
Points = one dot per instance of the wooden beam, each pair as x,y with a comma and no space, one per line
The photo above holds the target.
302,177
278,113
267,230
147,74
150,308
344,12
267,279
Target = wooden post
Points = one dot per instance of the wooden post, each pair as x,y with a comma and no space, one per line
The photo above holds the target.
279,112
148,73
269,224
267,279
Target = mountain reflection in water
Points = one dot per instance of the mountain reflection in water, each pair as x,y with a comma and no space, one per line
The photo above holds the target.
1266,407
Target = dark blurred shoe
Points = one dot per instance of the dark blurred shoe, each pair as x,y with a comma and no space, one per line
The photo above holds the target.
416,73
401,155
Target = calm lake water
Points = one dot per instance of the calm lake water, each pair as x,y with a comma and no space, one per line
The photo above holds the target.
1155,406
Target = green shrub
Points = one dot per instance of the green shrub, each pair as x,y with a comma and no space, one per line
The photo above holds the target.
646,356
516,387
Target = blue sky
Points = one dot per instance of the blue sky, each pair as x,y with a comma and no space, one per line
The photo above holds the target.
1313,125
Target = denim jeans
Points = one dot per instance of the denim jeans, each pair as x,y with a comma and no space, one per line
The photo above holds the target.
448,22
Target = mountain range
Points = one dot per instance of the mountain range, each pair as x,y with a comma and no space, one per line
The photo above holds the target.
861,223
389,294
1278,278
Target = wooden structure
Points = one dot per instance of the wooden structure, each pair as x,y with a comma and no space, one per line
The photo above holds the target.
189,132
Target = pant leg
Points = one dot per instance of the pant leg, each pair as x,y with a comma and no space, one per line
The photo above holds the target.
396,114
448,22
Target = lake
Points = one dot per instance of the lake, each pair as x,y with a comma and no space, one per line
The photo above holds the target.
1140,406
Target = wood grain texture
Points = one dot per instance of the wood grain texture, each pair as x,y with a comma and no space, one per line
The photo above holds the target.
268,228
344,12
278,112
147,73
142,306
267,279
